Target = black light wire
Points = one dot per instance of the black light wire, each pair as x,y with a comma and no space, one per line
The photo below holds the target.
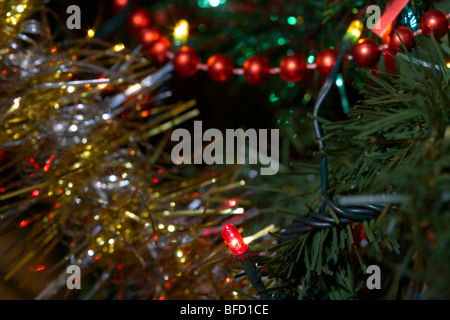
345,214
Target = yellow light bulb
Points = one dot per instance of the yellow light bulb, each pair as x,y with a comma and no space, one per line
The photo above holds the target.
354,31
119,47
181,31
91,33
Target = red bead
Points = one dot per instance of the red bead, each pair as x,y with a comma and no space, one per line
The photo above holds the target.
159,49
119,5
435,22
256,70
138,20
185,61
389,60
148,36
161,16
293,68
326,60
220,68
405,35
366,53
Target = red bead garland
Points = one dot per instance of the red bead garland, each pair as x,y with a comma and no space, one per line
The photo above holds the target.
293,67
435,22
256,70
366,53
406,36
220,68
326,61
185,61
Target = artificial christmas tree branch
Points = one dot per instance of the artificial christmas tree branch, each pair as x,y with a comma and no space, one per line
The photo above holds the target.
394,141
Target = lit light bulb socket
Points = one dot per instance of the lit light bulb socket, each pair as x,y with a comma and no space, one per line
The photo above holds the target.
244,256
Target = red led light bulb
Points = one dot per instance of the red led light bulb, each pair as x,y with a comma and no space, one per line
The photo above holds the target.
234,239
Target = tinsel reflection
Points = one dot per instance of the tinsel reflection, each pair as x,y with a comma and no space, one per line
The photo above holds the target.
84,129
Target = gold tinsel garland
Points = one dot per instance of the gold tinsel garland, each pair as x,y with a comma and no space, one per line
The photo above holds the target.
85,173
